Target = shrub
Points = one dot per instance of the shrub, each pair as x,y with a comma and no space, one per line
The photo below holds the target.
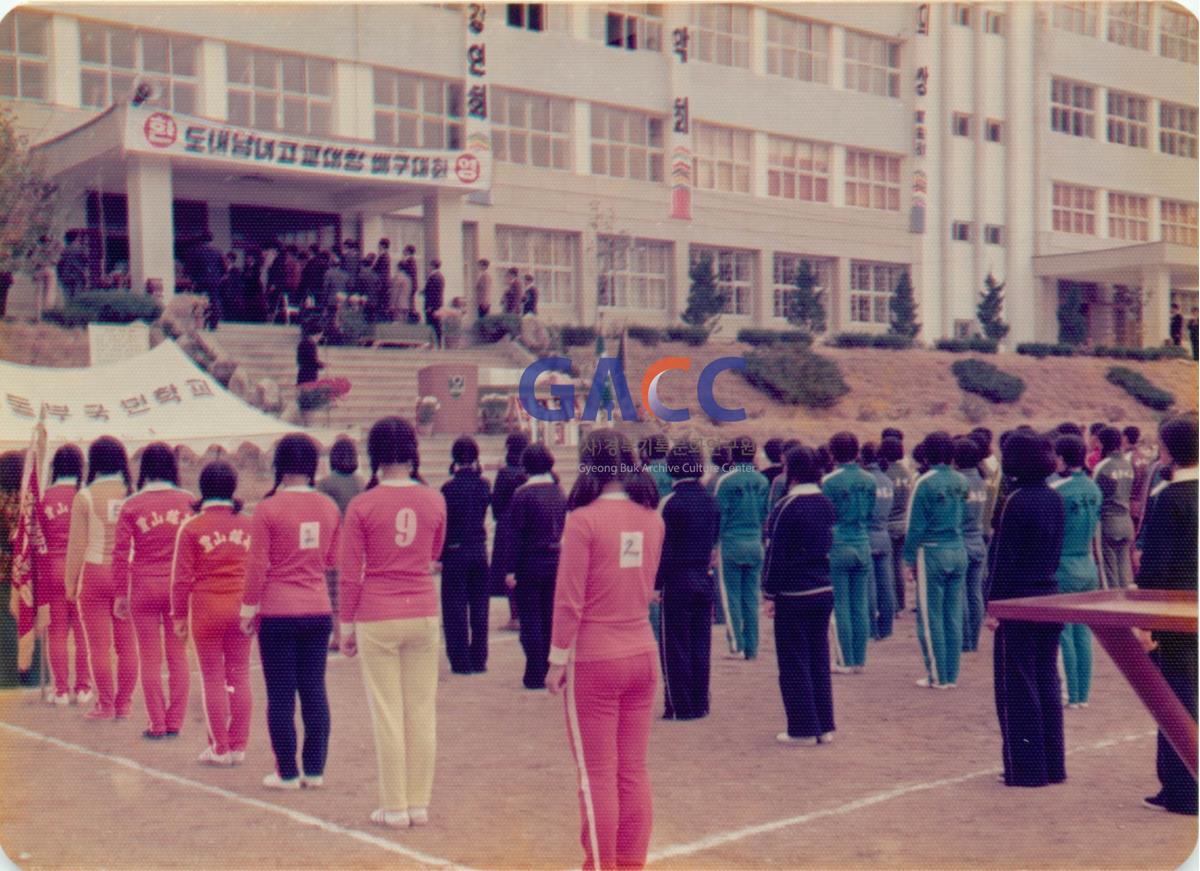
694,336
804,306
577,337
490,329
1045,349
757,337
1162,352
887,341
706,301
352,328
984,379
975,344
795,377
1072,323
645,335
990,310
853,340
105,307
1137,386
903,305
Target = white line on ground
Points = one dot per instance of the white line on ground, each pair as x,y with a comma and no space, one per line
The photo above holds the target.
290,813
720,839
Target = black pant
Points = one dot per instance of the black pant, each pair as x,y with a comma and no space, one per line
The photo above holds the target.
802,650
685,645
465,607
534,596
1176,659
436,324
293,651
1029,702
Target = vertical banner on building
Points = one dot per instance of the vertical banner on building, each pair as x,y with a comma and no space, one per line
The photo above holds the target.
477,129
920,179
679,138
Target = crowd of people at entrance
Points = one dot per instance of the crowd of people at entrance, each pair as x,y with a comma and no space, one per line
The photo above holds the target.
615,585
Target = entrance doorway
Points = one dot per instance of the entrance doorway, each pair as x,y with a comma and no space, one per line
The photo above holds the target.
262,226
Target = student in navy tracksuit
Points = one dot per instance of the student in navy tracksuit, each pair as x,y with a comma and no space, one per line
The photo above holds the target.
1024,562
527,554
508,479
465,562
800,598
692,522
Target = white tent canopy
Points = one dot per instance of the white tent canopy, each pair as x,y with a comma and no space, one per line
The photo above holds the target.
161,395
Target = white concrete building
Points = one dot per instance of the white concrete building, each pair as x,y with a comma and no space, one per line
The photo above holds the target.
1044,143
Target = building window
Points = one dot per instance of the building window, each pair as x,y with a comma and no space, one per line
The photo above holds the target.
1177,130
531,129
734,271
993,22
1128,217
1178,222
960,231
962,14
721,34
1177,34
787,267
960,124
113,58
872,181
630,26
626,144
797,169
1073,108
993,234
527,16
1074,209
24,41
995,131
273,91
1078,18
548,255
632,273
871,289
416,112
797,49
722,160
872,64
1129,24
1127,118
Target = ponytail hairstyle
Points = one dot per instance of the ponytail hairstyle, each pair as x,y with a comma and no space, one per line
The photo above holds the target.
218,480
106,456
67,463
606,455
464,454
392,441
296,454
158,464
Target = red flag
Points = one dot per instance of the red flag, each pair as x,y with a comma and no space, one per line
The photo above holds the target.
27,540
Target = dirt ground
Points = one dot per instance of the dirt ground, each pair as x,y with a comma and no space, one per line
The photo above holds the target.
909,782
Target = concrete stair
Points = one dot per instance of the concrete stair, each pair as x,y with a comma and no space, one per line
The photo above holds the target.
383,380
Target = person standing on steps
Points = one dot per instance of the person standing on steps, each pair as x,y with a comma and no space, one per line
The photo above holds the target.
435,288
408,266
465,562
308,364
483,290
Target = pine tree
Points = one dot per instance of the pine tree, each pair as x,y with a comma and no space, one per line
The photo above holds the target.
904,310
804,308
1072,324
29,205
991,309
705,301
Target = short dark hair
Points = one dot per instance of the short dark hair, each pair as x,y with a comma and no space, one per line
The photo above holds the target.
1095,428
891,450
537,459
464,451
435,263
343,456
385,243
803,466
484,262
1132,434
218,480
1069,428
1072,449
844,447
824,458
1110,440
967,453
106,456
892,433
868,453
1178,436
158,464
939,448
391,441
296,454
983,437
514,448
67,463
1028,458
685,460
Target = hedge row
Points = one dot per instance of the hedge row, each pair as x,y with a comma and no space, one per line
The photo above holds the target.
645,335
889,341
105,307
577,337
984,379
795,376
1137,386
490,329
694,336
975,344
763,337
1045,349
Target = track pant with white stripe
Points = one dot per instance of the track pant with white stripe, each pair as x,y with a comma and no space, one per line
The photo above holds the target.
852,574
941,576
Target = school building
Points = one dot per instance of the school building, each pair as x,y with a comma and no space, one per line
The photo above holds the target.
604,148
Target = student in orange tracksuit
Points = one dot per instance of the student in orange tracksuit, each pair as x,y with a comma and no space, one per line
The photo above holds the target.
143,546
88,577
208,578
54,611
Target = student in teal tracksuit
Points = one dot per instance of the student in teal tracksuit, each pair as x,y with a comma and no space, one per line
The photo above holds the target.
851,489
1077,565
934,553
741,495
967,457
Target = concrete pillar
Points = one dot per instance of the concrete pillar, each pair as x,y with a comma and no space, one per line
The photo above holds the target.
682,281
838,304
347,94
214,88
762,290
64,84
148,192
443,217
759,153
979,169
758,40
582,139
837,176
1024,111
837,58
1156,305
588,275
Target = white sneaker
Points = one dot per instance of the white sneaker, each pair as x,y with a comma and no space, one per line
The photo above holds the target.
947,686
733,654
60,700
841,669
208,756
827,738
85,697
927,682
858,669
316,781
418,816
237,757
785,738
274,781
392,819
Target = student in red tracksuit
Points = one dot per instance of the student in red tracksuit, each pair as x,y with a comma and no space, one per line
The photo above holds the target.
59,617
88,577
602,649
142,550
208,579
293,540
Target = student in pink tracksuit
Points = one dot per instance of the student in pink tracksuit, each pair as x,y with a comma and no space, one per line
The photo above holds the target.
602,649
88,577
142,552
59,617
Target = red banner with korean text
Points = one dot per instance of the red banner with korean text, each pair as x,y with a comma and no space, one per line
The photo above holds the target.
26,541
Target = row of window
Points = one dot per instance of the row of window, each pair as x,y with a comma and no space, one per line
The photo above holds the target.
1129,24
1074,211
1073,111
